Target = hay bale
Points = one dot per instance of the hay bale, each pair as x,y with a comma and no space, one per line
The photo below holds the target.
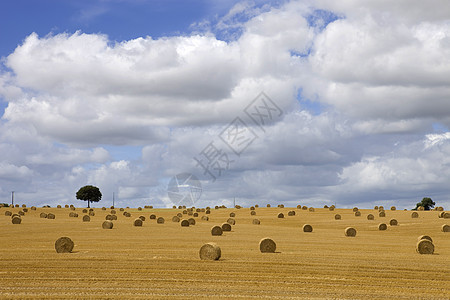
307,228
311,209
85,211
337,217
160,220
108,217
21,213
415,215
66,206
299,206
142,218
86,218
357,213
139,208
382,226
121,209
25,209
231,221
175,219
51,216
126,214
382,214
331,208
205,218
425,237
107,224
393,222
291,213
103,208
113,217
280,216
210,251
375,207
226,227
190,213
425,247
33,208
91,213
325,206
195,215
370,217
281,205
446,215
113,212
256,222
72,208
232,215
64,245
393,208
184,223
216,230
421,208
355,209
441,214
380,208
185,212
445,228
439,208
179,215
152,217
253,213
208,212
138,222
8,213
304,207
268,205
191,221
16,220
267,245
350,231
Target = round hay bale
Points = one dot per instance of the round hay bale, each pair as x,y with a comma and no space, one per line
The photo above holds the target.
190,213
139,208
393,208
195,215
307,228
126,214
8,213
355,209
445,228
113,212
267,245
331,208
425,247
375,207
382,226
253,213
382,214
325,206
205,218
107,224
299,206
185,212
184,223
357,213
232,215
21,213
210,251
256,222
86,218
393,222
441,214
138,222
304,207
121,209
113,217
14,215
350,231
337,216
280,216
311,209
25,209
231,221
421,208
175,219
152,217
208,212
425,237
92,213
226,227
64,245
43,215
85,211
160,220
103,208
415,215
446,215
66,206
16,220
191,221
142,218
291,213
216,230
281,206
370,217
439,208
72,208
33,208
108,217
268,205
112,207
380,208
51,216
252,208
179,215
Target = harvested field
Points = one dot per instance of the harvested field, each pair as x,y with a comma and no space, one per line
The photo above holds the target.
145,263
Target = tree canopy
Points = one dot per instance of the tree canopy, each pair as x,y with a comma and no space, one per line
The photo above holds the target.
89,193
427,203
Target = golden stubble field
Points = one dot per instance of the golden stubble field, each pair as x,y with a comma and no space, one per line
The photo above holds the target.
162,260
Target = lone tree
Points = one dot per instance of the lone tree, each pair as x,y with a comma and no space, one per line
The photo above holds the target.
427,204
89,193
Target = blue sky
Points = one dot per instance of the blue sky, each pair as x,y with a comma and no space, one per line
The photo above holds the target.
126,94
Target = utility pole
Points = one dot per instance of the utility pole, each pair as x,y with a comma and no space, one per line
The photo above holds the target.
234,202
113,198
12,198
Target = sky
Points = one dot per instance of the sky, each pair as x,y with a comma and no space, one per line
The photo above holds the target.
311,102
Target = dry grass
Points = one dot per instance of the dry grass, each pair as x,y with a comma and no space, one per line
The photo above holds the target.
126,263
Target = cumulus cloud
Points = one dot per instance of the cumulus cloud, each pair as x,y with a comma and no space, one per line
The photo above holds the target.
360,83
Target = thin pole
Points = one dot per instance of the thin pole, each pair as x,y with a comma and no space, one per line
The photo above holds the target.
113,198
12,198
